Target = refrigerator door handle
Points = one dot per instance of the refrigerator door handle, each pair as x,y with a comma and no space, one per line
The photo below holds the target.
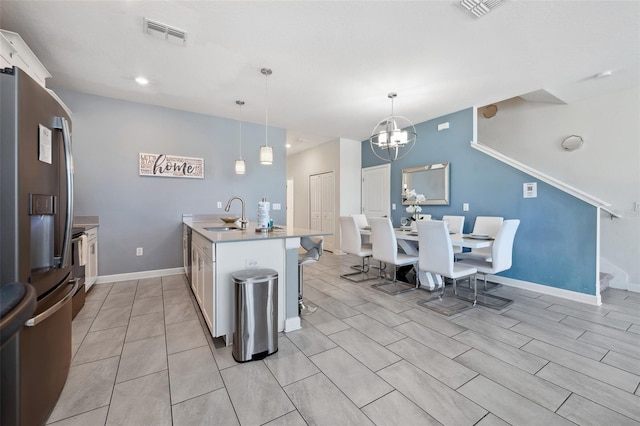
55,308
61,123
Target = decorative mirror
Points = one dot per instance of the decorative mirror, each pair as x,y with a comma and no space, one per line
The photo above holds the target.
431,180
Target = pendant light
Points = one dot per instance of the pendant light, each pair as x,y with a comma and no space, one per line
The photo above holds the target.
266,152
393,137
241,167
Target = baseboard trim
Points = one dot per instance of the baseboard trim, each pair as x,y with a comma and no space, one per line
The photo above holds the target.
545,289
139,275
631,287
292,324
625,286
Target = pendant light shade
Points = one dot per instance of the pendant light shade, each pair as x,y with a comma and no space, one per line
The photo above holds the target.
240,167
393,137
266,152
266,155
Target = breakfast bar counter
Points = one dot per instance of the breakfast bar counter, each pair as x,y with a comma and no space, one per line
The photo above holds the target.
219,249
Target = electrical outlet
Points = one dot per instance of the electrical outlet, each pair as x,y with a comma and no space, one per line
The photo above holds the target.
465,207
636,206
251,263
393,206
139,251
219,204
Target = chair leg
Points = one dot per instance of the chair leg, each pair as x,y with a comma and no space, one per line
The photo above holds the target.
475,289
380,286
362,270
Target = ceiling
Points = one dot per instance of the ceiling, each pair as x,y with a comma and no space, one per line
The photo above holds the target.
333,62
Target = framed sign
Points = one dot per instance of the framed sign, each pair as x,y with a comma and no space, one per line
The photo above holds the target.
170,166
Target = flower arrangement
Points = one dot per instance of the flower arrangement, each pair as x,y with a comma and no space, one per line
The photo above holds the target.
414,208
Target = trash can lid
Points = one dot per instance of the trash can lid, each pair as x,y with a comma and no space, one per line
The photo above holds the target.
252,275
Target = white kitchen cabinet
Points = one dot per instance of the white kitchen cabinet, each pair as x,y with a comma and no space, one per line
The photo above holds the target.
208,293
212,283
186,250
91,268
202,276
15,52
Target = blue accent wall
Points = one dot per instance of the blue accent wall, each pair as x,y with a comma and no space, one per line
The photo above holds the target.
556,243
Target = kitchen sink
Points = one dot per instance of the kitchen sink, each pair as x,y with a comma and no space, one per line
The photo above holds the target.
221,228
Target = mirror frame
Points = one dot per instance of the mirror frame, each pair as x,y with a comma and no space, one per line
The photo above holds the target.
443,167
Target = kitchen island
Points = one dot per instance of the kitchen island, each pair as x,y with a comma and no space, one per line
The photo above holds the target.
218,250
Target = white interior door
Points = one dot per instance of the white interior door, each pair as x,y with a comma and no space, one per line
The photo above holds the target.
322,205
315,213
376,191
328,208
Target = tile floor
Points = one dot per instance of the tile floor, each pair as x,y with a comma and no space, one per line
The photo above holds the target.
142,356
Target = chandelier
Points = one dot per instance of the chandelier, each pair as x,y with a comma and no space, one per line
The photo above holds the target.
393,137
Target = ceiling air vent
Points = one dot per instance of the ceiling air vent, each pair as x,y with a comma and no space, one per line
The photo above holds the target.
164,31
479,8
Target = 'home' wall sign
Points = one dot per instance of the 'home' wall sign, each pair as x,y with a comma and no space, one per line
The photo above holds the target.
170,166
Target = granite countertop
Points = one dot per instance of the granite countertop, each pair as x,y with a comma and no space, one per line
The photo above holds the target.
85,226
199,222
86,222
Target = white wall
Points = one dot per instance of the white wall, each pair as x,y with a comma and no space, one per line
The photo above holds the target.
607,166
350,177
343,156
142,211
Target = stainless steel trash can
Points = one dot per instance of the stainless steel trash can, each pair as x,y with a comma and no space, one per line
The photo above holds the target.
256,319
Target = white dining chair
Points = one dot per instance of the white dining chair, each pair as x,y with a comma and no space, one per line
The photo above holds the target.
361,220
436,256
483,225
385,249
352,244
501,252
420,217
456,224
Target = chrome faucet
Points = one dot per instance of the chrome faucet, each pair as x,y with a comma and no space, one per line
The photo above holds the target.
243,220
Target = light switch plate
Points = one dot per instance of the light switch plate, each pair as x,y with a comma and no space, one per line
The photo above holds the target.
219,204
465,207
443,126
276,206
393,206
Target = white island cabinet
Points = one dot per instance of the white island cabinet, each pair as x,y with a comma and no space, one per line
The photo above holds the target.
203,277
215,256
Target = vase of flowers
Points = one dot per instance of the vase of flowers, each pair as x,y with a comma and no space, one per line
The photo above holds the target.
415,199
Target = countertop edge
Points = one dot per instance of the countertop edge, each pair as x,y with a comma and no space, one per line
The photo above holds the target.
250,234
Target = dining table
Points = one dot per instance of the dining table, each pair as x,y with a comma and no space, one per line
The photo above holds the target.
408,241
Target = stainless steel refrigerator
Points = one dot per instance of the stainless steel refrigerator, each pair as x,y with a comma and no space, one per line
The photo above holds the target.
36,214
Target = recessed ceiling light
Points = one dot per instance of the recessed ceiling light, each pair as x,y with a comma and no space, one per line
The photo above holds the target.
288,145
142,81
